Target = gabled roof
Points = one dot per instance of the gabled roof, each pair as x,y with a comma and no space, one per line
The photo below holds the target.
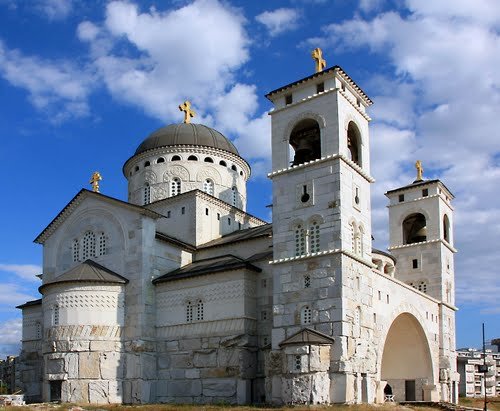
321,74
208,266
76,200
88,271
264,230
31,303
308,336
419,184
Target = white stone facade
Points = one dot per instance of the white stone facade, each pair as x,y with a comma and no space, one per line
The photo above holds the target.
179,295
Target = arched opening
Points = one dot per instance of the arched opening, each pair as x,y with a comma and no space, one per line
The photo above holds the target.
192,158
354,143
406,360
160,160
305,140
175,158
233,167
147,164
446,228
208,160
414,229
223,163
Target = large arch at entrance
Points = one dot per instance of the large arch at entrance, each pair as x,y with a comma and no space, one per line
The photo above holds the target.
406,363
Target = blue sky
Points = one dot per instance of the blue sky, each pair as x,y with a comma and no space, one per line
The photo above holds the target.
83,83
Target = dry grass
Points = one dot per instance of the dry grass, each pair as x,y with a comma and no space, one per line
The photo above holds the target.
493,403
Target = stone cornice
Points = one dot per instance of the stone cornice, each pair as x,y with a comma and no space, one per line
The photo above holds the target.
350,163
423,198
445,243
356,107
323,253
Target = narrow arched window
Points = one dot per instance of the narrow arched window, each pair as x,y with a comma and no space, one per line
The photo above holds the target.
189,312
147,164
175,186
306,315
359,241
300,240
354,143
234,196
208,160
146,195
88,245
446,228
192,158
223,163
314,244
102,244
199,310
55,315
352,233
76,250
233,167
208,186
160,160
175,158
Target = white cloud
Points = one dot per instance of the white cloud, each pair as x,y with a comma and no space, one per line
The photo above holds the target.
278,21
370,5
54,9
58,88
24,271
10,337
440,108
13,295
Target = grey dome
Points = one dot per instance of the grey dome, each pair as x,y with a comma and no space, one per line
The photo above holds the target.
186,134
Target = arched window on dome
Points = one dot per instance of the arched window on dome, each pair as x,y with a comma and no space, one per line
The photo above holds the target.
305,140
192,158
175,186
146,195
160,160
208,160
147,164
233,167
88,245
306,315
223,163
234,196
354,143
208,186
414,229
175,158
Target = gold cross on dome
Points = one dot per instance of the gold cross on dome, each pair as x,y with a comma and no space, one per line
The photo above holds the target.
420,170
188,113
94,181
317,55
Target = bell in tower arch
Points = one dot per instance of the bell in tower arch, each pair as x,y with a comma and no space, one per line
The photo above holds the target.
306,142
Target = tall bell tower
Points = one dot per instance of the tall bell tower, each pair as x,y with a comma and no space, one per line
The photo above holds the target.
421,239
322,225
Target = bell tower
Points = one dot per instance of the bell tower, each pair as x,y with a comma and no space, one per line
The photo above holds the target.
421,239
322,220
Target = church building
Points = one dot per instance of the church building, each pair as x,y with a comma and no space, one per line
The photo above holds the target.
179,295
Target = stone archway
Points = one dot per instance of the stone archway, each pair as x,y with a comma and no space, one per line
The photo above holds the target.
406,363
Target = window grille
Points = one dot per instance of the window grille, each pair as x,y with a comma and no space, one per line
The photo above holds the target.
307,281
175,187
298,362
147,194
234,196
300,241
306,315
189,312
55,318
102,244
199,310
208,187
88,249
76,250
314,237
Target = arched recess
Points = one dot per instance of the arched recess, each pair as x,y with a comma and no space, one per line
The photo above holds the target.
446,229
305,139
406,362
354,143
414,228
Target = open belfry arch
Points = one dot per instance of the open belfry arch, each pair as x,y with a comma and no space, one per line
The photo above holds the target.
179,295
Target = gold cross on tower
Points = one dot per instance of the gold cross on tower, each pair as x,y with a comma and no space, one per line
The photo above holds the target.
94,180
317,55
188,113
420,170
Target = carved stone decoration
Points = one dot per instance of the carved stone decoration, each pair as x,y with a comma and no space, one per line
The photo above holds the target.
159,193
149,177
176,171
209,173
